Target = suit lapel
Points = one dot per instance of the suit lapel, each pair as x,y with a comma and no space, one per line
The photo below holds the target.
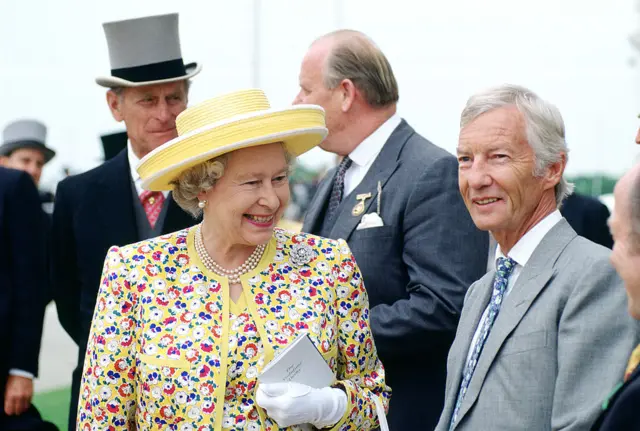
477,302
346,222
113,202
535,276
381,170
312,220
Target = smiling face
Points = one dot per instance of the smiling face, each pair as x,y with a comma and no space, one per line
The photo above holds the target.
496,176
149,112
249,199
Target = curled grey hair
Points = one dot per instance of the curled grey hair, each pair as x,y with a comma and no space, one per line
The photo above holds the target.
201,178
544,126
357,58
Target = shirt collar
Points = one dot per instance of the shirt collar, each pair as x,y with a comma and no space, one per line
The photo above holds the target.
524,248
133,162
368,149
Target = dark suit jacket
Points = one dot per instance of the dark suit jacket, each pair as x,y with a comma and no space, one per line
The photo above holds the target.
93,211
416,268
621,412
23,274
588,217
23,270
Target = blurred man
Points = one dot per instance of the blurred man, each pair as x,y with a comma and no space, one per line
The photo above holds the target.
542,336
148,88
23,147
394,198
620,409
588,217
23,272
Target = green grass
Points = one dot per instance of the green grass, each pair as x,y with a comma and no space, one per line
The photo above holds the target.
54,406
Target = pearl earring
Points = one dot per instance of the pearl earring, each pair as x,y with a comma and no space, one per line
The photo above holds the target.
202,204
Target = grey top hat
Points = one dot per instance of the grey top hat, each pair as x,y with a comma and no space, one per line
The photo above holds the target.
145,51
25,134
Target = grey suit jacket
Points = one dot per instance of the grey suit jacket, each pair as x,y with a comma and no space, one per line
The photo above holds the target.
558,346
416,268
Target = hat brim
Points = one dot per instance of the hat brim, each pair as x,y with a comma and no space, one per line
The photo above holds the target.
300,128
9,148
191,70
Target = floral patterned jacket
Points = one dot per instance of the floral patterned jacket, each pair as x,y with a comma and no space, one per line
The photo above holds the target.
157,353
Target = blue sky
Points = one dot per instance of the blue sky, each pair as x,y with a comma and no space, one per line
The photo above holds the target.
574,53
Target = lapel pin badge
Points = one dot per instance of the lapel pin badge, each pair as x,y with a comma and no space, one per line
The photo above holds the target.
372,219
359,208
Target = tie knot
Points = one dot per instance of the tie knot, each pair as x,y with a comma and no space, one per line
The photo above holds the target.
345,164
150,197
505,266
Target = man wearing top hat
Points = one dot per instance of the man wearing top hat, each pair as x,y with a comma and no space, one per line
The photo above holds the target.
24,148
147,89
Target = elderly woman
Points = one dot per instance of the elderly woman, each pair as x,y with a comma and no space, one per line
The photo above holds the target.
186,322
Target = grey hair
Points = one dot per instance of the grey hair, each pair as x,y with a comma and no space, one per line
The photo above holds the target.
119,91
198,179
202,178
357,58
545,130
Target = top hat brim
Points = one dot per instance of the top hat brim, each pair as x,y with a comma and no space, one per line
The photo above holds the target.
191,70
10,147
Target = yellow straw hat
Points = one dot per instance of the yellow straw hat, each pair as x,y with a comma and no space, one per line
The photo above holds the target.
226,123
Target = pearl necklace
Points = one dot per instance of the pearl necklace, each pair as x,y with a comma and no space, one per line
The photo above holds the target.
233,275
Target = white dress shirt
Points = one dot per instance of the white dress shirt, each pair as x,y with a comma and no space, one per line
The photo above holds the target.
133,162
365,153
520,253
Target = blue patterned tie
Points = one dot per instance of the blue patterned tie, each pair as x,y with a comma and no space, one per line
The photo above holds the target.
500,283
337,190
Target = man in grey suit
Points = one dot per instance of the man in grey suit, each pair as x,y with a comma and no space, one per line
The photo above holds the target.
544,337
394,198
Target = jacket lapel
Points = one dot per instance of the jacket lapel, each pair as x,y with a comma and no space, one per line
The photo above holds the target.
535,276
477,302
381,170
346,222
312,220
113,202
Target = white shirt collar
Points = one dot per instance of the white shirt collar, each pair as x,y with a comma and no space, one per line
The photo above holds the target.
133,162
368,149
524,248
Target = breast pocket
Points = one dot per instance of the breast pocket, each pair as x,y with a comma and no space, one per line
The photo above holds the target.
524,343
164,390
380,232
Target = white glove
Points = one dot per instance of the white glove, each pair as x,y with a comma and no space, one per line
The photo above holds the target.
294,404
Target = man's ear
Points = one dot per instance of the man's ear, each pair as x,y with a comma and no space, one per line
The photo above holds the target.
114,102
555,171
348,92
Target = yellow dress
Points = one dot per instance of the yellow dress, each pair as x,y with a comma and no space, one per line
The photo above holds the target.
162,353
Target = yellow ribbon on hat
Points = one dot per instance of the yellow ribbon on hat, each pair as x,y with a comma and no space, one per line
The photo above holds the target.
634,360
